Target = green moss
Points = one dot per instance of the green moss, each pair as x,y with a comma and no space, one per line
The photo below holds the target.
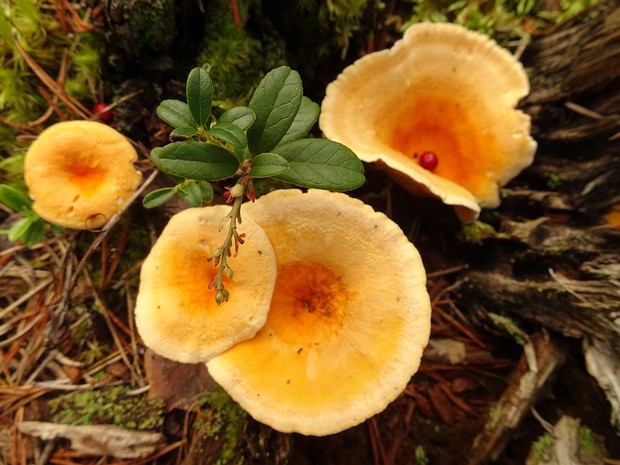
420,456
511,327
505,20
477,232
586,440
541,449
108,406
222,420
335,22
555,180
38,31
236,58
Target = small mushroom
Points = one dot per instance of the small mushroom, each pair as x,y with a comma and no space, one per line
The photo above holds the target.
176,312
80,173
441,90
349,317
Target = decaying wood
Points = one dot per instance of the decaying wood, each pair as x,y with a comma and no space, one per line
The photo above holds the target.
575,78
553,263
562,278
604,365
568,446
542,356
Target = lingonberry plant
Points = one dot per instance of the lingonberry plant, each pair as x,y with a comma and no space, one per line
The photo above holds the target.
266,139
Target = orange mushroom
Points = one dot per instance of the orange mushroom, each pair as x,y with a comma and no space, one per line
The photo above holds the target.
349,317
80,173
444,90
176,313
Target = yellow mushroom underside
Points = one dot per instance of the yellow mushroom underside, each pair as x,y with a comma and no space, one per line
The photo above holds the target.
442,89
80,173
349,317
176,313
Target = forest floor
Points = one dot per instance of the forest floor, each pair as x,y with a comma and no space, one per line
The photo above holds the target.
70,354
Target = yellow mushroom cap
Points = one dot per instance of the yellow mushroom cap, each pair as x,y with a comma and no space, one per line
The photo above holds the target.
349,317
80,173
444,89
176,313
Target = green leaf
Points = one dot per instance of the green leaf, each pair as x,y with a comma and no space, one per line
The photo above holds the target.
199,92
191,193
229,134
242,117
303,122
265,165
207,191
19,228
14,199
158,197
322,164
175,113
276,101
34,233
195,160
184,131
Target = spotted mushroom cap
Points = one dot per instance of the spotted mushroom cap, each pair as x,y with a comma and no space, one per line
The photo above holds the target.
80,173
176,312
443,89
349,317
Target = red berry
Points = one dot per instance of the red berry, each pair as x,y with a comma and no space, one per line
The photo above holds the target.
428,160
106,116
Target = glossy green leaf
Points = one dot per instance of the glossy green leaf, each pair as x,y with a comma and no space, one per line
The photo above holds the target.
176,179
303,122
184,132
275,101
158,197
195,160
199,92
265,165
229,134
175,113
207,191
322,164
242,117
191,193
14,199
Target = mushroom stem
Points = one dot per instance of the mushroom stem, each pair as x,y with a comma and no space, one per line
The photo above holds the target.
220,255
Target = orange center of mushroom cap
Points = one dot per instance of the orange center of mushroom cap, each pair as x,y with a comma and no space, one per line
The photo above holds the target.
446,128
189,285
88,177
308,305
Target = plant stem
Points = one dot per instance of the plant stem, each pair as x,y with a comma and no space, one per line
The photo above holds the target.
232,236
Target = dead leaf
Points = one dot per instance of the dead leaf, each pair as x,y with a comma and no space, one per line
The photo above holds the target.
110,440
177,384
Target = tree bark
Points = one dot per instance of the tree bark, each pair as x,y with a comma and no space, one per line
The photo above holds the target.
552,260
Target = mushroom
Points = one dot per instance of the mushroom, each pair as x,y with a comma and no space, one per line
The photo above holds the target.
349,317
176,312
444,90
612,216
80,173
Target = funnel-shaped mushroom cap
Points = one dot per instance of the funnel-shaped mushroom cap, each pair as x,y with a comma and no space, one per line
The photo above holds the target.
80,173
176,312
349,317
441,89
